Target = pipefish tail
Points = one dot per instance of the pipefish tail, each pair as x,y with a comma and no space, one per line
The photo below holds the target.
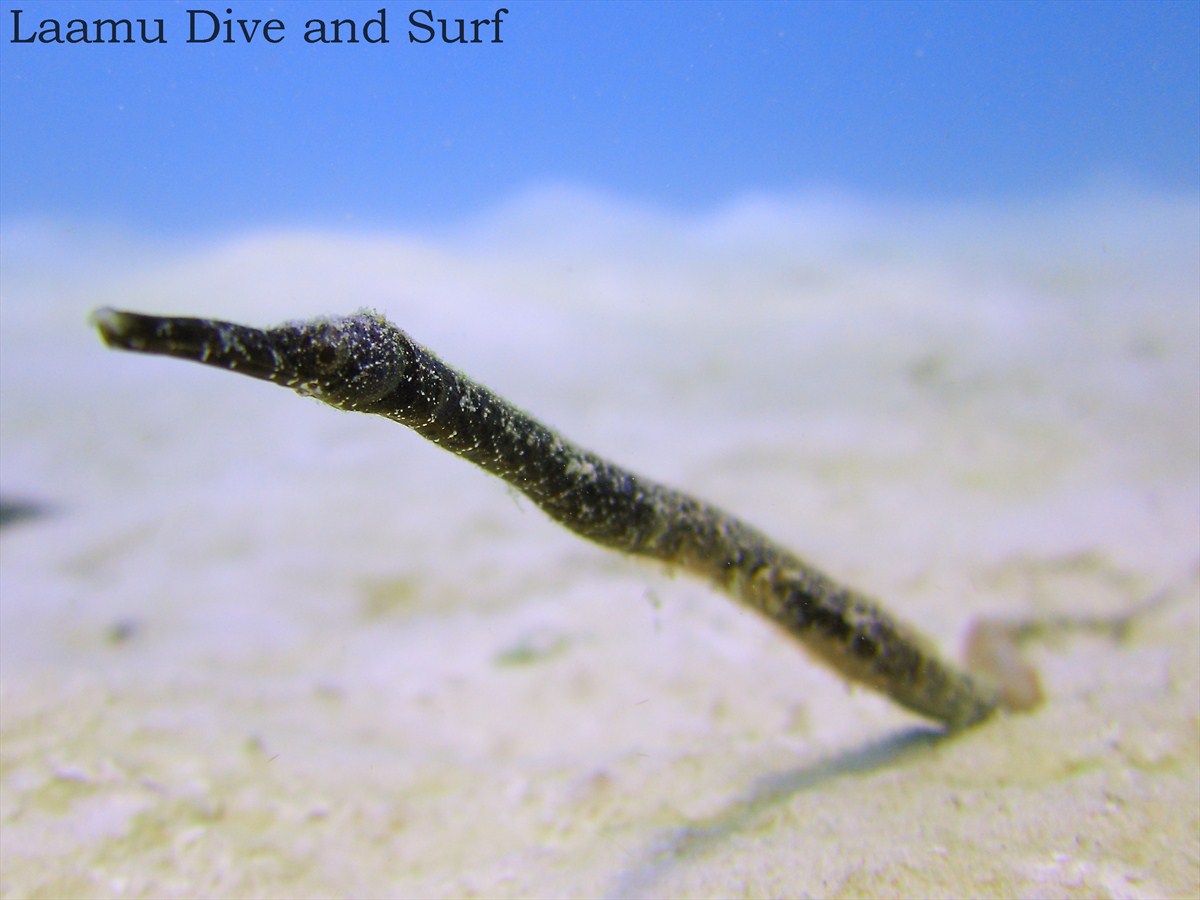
363,363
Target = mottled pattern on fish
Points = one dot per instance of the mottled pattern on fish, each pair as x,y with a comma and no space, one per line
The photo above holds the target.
363,363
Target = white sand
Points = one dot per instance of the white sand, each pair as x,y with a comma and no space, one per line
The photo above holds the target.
256,647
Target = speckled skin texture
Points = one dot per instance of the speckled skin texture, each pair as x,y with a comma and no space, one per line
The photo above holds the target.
362,363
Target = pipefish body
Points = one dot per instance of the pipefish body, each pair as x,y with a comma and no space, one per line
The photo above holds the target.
363,363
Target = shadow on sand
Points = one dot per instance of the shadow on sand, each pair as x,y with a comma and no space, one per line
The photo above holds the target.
675,846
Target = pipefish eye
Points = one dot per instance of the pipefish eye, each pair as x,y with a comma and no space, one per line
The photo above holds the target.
325,344
322,353
327,357
350,362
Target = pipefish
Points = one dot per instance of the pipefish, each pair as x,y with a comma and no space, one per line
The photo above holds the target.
363,363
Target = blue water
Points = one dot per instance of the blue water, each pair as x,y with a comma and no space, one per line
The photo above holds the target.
684,106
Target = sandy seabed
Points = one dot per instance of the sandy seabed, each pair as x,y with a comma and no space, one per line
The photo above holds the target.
251,646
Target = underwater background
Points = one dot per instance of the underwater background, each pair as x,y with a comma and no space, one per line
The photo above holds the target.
913,287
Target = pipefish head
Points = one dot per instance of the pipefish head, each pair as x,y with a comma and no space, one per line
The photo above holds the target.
350,362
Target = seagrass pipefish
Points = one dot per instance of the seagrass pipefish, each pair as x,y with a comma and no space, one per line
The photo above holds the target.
363,363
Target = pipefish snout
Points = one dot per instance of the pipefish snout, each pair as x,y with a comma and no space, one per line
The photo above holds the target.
363,363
